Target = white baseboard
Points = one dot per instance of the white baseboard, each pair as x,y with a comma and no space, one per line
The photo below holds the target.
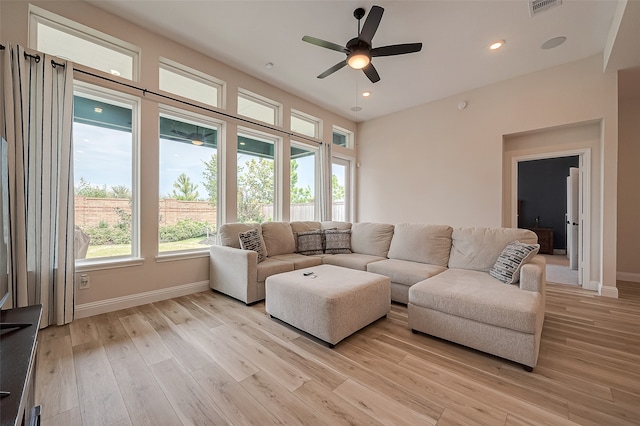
109,305
628,276
608,291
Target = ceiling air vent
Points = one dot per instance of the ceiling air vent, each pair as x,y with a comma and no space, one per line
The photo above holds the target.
537,6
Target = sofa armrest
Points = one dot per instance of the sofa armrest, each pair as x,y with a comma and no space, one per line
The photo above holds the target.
533,275
234,272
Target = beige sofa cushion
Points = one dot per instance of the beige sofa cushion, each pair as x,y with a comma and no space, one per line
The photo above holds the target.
421,243
335,225
373,239
352,261
403,271
479,248
271,267
304,226
478,296
299,261
228,234
278,237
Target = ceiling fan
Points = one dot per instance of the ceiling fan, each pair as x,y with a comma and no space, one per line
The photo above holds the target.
359,51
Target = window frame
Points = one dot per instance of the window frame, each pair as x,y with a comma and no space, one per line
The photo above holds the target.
191,118
41,16
134,258
195,75
263,101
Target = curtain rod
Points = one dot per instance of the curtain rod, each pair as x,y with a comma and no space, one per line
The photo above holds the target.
224,114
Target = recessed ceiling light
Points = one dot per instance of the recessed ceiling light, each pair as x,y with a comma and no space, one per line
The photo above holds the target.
98,110
553,42
366,94
356,109
496,44
115,72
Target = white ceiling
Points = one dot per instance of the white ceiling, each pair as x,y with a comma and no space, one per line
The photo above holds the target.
455,36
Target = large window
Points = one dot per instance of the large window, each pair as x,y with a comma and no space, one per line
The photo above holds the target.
303,182
305,124
188,182
258,107
340,189
189,83
104,143
256,177
83,45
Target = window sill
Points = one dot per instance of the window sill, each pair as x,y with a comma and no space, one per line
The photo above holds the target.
87,265
174,256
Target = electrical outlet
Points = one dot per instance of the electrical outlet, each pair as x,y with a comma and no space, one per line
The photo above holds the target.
84,282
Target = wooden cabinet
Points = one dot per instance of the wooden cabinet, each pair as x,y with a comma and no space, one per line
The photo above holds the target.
18,366
545,239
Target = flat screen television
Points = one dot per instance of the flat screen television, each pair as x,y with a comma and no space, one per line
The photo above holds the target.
4,237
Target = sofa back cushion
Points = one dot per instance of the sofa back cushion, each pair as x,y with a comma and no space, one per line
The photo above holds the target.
421,243
304,226
228,234
371,238
479,248
330,224
278,237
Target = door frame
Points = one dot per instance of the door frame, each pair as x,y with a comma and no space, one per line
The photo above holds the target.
584,155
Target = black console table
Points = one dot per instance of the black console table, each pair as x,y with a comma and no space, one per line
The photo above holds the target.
18,366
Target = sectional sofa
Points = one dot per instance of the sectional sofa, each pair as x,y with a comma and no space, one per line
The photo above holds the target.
445,275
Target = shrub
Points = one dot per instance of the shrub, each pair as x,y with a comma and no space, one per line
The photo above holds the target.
105,234
183,230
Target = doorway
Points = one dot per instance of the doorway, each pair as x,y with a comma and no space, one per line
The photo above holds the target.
541,204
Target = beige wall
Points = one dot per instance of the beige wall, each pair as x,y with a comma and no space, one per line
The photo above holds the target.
150,274
437,164
628,192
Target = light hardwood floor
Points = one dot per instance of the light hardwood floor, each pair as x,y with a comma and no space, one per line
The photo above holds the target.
207,359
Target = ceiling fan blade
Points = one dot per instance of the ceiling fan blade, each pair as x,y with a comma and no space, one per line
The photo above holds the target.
371,24
396,49
371,73
325,44
333,69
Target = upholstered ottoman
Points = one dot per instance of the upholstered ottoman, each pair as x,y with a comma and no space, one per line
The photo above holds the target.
331,303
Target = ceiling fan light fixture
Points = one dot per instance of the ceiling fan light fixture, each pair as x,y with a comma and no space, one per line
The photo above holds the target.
197,142
358,60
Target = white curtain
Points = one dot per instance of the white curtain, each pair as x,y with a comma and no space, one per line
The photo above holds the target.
326,170
37,111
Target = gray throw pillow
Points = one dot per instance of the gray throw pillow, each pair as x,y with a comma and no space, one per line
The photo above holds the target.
310,242
252,240
507,267
337,241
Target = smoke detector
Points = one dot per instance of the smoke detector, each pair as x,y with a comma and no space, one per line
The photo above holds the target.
538,6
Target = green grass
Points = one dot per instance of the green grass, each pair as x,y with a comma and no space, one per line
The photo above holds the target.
125,249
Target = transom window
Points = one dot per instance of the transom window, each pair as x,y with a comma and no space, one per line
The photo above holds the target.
305,124
189,83
66,39
258,107
342,137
